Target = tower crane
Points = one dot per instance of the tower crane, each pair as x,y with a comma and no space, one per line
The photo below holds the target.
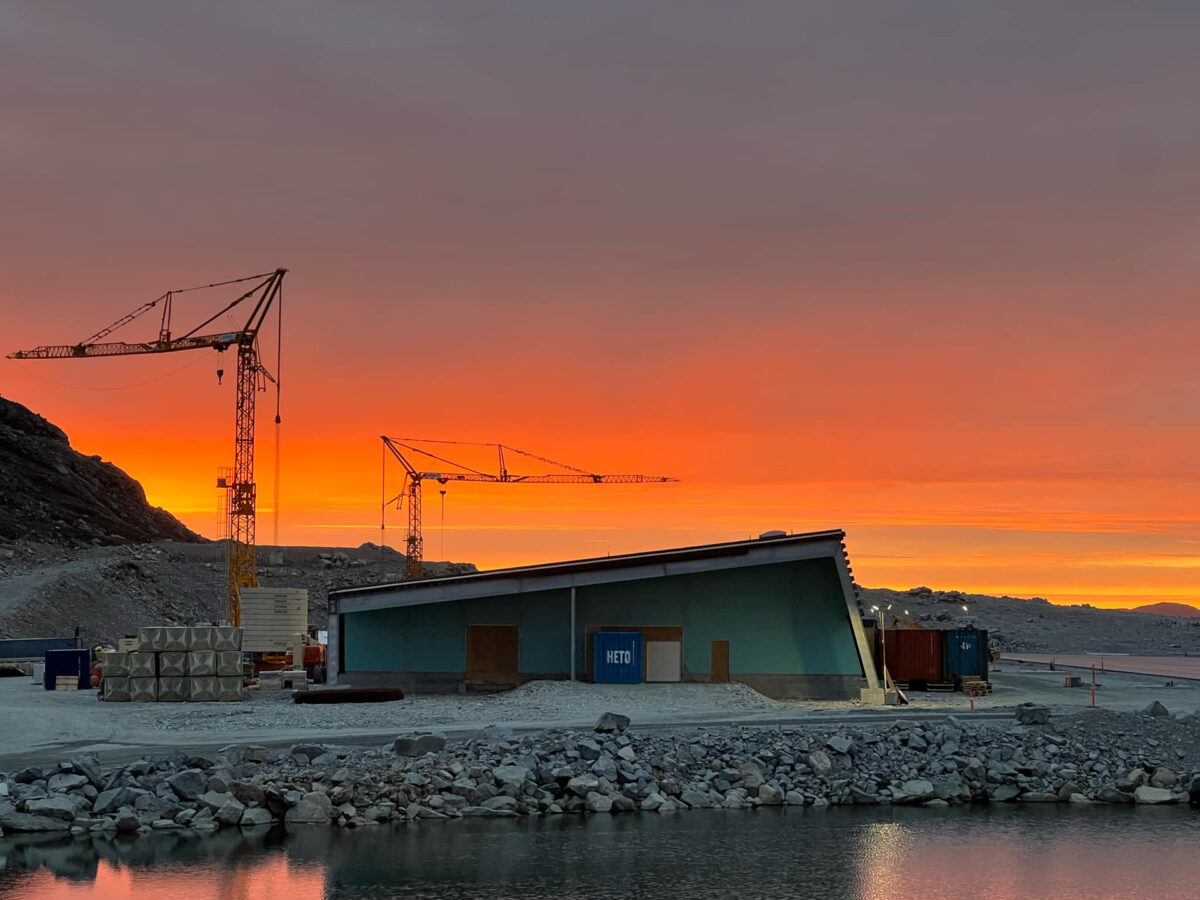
414,478
252,376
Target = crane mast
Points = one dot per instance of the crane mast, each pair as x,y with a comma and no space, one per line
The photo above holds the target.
414,478
241,505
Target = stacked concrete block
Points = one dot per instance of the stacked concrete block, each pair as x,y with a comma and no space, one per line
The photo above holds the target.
203,688
143,690
116,688
143,664
151,639
173,689
115,663
202,637
227,638
202,662
174,664
229,689
176,639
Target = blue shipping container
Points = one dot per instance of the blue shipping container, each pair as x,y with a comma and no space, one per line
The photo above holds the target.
33,648
68,662
617,657
964,653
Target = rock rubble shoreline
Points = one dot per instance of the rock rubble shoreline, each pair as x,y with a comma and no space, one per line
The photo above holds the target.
1088,758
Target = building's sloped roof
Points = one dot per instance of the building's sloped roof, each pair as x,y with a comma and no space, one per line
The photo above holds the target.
767,546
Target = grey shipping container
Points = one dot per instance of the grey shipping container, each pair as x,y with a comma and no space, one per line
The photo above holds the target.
33,648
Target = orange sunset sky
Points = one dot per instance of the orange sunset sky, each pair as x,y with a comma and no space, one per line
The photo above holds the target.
927,272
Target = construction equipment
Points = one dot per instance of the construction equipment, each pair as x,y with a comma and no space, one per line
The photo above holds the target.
251,377
414,478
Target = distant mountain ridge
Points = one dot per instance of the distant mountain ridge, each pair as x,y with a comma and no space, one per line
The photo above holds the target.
53,494
1169,609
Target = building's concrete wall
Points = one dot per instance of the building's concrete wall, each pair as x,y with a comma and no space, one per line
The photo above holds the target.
787,619
782,619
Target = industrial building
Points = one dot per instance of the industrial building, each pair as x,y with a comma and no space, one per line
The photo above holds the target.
777,613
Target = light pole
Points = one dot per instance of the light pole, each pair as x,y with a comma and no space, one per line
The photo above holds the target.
882,614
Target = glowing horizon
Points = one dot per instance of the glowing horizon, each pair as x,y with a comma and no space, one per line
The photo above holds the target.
829,266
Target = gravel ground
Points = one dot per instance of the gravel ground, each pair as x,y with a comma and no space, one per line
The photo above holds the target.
550,701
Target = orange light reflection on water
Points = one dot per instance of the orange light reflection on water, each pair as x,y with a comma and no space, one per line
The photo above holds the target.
262,878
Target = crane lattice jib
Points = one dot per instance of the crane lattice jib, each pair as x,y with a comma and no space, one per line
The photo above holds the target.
414,478
241,492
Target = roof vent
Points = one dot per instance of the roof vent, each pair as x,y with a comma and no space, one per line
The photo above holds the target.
774,533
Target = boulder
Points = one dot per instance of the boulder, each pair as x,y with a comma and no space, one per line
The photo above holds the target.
839,744
751,775
1164,778
188,784
1112,795
918,790
1153,795
1004,793
58,807
213,800
1032,714
88,765
597,803
230,812
819,762
582,785
111,800
770,795
696,800
419,744
589,750
248,793
501,801
11,820
612,722
313,809
127,821
63,782
510,776
653,801
1156,709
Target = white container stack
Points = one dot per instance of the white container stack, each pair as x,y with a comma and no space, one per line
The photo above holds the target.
174,664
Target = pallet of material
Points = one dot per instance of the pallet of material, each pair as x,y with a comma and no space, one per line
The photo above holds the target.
940,686
66,682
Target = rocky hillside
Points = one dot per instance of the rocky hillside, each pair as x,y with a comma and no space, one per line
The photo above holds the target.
1038,626
51,494
1185,610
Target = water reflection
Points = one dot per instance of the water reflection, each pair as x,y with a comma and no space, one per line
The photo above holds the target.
855,853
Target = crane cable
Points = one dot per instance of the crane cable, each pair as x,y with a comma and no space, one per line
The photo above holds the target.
278,378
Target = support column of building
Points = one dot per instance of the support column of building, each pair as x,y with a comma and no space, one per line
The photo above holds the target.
572,634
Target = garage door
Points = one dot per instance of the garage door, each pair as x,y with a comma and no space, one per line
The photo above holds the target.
492,654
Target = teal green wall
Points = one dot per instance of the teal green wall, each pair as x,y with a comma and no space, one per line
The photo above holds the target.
782,619
432,638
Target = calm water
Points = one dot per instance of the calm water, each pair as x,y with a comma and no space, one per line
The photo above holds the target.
861,853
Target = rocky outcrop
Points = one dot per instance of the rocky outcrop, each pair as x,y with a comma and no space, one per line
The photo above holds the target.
52,494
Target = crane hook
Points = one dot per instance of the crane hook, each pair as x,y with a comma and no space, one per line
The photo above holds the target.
220,375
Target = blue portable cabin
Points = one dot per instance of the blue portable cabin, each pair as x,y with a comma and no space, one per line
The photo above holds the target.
964,654
76,663
617,657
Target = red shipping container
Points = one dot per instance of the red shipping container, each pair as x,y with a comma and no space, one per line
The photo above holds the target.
913,654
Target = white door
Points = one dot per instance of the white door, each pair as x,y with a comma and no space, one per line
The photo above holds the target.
664,660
